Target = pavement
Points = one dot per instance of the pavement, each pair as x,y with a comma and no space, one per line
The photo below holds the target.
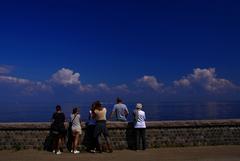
205,153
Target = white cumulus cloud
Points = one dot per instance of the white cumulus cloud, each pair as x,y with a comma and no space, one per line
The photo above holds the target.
14,80
66,77
206,79
151,82
184,82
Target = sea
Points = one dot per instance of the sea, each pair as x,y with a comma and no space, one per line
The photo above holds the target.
42,112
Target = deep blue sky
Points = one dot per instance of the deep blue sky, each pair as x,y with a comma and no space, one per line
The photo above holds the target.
119,42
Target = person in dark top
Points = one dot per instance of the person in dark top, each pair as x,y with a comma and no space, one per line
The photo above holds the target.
91,142
58,129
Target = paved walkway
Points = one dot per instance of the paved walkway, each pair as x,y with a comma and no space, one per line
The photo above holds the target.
210,153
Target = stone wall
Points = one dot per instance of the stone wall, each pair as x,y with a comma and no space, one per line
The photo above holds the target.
159,134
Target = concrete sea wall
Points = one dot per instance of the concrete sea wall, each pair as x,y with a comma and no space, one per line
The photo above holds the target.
159,134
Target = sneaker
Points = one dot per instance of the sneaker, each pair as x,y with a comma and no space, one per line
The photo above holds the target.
59,152
76,152
72,151
92,151
53,151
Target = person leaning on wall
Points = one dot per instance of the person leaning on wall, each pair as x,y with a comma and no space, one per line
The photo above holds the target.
120,111
91,142
58,130
76,130
139,127
101,128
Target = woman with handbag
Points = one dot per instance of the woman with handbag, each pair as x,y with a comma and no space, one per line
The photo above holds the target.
76,130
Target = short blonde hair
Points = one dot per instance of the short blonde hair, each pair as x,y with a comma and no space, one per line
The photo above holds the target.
139,106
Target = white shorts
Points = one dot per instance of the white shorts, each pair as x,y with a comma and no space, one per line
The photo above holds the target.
77,129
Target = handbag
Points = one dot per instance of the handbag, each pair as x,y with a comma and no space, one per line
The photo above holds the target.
71,123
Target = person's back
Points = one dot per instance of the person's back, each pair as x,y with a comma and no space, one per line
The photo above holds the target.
101,128
140,126
140,117
120,110
100,114
58,119
90,141
76,130
75,121
58,129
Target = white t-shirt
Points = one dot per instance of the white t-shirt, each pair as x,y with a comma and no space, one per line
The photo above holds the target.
76,121
140,118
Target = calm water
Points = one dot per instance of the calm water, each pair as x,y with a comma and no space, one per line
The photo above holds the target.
154,112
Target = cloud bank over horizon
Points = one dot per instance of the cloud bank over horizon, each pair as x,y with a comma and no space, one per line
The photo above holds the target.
207,80
202,82
5,69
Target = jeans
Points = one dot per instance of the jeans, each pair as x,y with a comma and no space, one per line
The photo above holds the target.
140,138
102,129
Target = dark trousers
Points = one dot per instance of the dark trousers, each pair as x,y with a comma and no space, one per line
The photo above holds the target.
92,142
140,138
101,129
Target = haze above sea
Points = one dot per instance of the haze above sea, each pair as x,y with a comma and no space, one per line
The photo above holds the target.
32,112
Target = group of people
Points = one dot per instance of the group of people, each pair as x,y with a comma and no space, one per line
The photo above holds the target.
95,127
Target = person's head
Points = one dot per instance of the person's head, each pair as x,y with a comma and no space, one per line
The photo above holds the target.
93,106
119,100
58,108
139,106
75,110
98,105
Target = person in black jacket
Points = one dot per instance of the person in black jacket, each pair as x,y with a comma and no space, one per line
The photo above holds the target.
58,129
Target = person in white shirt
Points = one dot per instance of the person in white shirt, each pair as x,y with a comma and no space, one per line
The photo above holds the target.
139,126
76,130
